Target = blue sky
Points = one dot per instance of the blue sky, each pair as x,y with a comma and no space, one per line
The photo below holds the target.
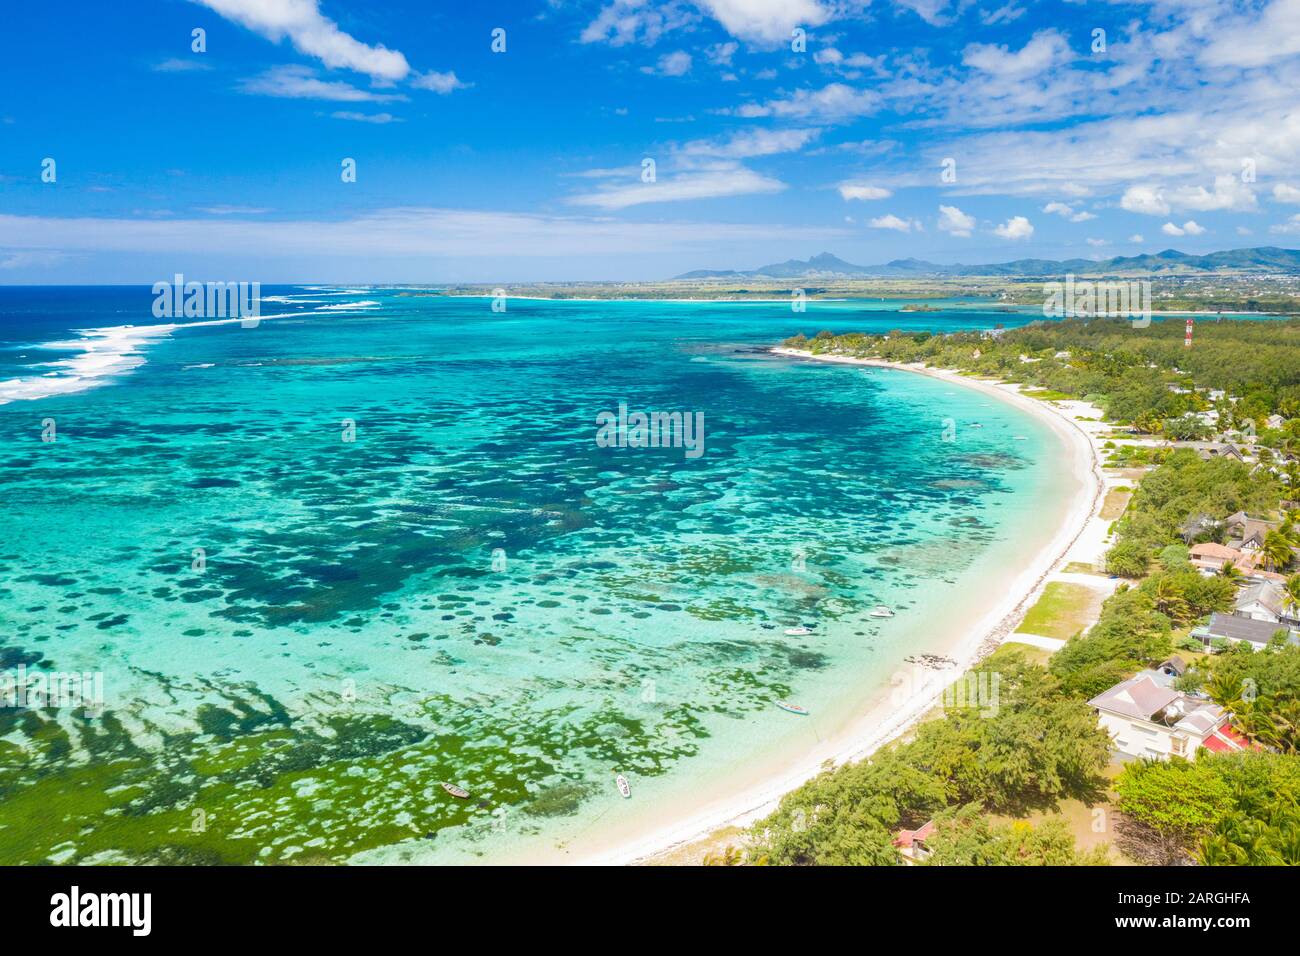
1177,129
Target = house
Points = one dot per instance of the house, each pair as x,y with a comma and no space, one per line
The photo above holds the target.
1235,629
1165,673
1245,532
1147,720
1212,557
911,844
1275,421
1264,601
1211,450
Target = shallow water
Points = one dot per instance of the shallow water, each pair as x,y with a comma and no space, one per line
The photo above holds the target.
463,586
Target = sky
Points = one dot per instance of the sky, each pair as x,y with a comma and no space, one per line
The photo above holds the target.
438,141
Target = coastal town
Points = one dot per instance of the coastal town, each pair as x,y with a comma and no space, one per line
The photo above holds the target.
1170,624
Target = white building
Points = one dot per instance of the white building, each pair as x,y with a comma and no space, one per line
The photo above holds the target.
1145,719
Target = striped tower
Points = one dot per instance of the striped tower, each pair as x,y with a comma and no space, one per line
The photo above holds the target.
1187,341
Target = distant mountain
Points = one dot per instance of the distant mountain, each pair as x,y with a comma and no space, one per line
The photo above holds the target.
1169,262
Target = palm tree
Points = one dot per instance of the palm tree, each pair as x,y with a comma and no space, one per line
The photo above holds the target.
1231,571
1291,594
1226,691
1170,599
1277,550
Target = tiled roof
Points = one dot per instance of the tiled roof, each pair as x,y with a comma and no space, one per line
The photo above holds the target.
1211,550
1138,697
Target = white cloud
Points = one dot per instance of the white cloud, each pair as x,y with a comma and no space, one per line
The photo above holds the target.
933,12
188,65
300,82
1136,237
1229,193
953,220
677,63
1047,49
720,54
1067,212
1017,227
441,83
388,233
724,180
1003,14
755,142
1097,242
1169,229
1189,228
1292,225
1192,229
637,21
377,118
314,34
862,191
1247,40
835,101
1144,199
1284,193
766,22
891,221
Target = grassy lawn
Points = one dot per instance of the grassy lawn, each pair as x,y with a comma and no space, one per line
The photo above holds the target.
1117,500
1062,611
1035,655
1047,395
1080,567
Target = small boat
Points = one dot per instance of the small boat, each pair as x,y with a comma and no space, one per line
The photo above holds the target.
881,611
623,788
458,792
797,631
792,708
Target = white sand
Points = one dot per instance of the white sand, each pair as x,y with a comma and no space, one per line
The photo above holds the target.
891,715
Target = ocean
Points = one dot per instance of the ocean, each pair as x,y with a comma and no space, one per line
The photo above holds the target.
323,565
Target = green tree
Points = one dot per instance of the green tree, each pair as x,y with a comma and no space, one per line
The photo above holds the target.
1277,550
966,837
1174,802
1128,559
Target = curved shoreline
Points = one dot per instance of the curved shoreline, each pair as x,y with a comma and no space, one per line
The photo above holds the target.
885,720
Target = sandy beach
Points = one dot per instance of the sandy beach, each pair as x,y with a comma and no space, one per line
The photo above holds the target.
1079,536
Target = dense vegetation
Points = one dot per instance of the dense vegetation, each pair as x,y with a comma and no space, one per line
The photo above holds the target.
1127,370
1222,809
1040,745
1182,486
1043,743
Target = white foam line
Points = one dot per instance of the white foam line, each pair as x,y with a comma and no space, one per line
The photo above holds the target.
118,349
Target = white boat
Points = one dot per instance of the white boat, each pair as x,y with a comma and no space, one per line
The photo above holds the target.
797,631
793,708
623,788
881,611
458,792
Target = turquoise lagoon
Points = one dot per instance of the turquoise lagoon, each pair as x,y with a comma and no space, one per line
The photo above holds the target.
470,590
